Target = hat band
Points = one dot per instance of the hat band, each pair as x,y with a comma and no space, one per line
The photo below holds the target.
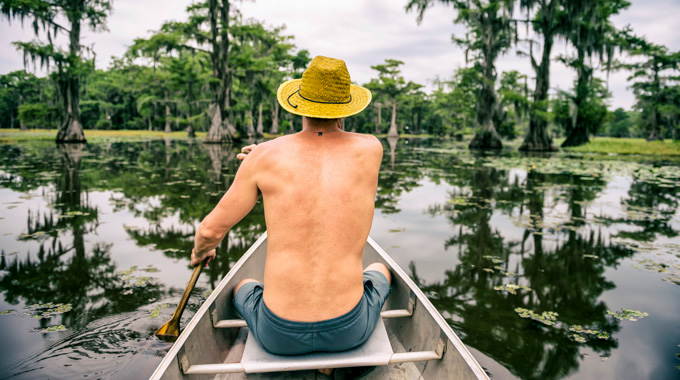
314,101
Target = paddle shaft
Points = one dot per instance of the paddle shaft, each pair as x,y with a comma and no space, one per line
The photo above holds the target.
187,292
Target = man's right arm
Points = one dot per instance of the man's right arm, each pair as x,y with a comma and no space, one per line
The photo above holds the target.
234,205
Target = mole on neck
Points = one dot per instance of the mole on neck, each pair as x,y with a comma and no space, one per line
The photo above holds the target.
321,126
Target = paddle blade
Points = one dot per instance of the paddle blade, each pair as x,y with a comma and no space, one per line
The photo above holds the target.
169,331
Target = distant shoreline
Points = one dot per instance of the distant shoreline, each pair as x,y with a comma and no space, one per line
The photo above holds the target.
601,145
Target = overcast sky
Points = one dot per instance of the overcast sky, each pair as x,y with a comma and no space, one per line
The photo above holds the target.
363,33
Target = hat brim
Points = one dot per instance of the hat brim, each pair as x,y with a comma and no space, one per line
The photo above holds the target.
292,102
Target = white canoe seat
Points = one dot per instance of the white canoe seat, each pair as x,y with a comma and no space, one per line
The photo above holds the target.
376,351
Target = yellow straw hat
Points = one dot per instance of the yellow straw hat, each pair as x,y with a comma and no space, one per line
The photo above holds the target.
324,92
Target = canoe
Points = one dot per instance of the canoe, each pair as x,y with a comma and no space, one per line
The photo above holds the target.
214,344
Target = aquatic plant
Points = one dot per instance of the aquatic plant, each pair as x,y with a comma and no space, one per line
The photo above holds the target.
46,310
511,288
157,310
51,329
626,314
548,318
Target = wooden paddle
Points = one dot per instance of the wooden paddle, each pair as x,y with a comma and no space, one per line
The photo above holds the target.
170,330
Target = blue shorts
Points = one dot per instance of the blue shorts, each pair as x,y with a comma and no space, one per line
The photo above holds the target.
283,337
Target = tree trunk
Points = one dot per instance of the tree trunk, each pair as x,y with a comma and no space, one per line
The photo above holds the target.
221,129
291,129
654,133
167,113
217,134
22,126
251,126
578,136
71,130
486,137
190,128
275,119
578,133
260,127
655,130
378,119
393,123
538,139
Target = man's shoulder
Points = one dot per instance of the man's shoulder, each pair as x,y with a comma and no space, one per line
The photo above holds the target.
367,140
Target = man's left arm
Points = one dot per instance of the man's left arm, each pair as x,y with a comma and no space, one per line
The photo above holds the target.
234,205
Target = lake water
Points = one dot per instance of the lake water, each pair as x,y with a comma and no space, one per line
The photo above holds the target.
557,266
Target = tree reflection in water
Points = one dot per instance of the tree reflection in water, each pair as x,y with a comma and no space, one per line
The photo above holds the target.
560,247
179,180
565,276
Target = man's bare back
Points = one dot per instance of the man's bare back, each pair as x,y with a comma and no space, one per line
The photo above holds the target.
319,194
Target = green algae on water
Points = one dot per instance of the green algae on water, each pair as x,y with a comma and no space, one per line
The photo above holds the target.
548,318
511,288
50,329
157,310
599,334
626,314
127,272
47,310
7,312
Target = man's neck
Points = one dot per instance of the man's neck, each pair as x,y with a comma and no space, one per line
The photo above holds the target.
321,125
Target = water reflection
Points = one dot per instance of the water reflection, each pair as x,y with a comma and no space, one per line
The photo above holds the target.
108,228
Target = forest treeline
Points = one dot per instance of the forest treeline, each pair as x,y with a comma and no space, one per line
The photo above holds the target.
218,71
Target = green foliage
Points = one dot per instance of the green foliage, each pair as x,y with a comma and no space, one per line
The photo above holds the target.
490,33
68,66
454,102
18,88
656,86
36,115
589,29
621,124
513,104
589,115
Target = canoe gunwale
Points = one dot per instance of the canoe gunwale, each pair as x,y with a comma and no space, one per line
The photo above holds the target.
447,334
172,355
438,318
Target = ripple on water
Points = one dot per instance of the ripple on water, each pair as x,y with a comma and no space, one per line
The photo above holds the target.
118,346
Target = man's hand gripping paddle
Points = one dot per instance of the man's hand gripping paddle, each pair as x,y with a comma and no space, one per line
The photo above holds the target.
170,331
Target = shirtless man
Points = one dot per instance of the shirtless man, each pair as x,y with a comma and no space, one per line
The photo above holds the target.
318,187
